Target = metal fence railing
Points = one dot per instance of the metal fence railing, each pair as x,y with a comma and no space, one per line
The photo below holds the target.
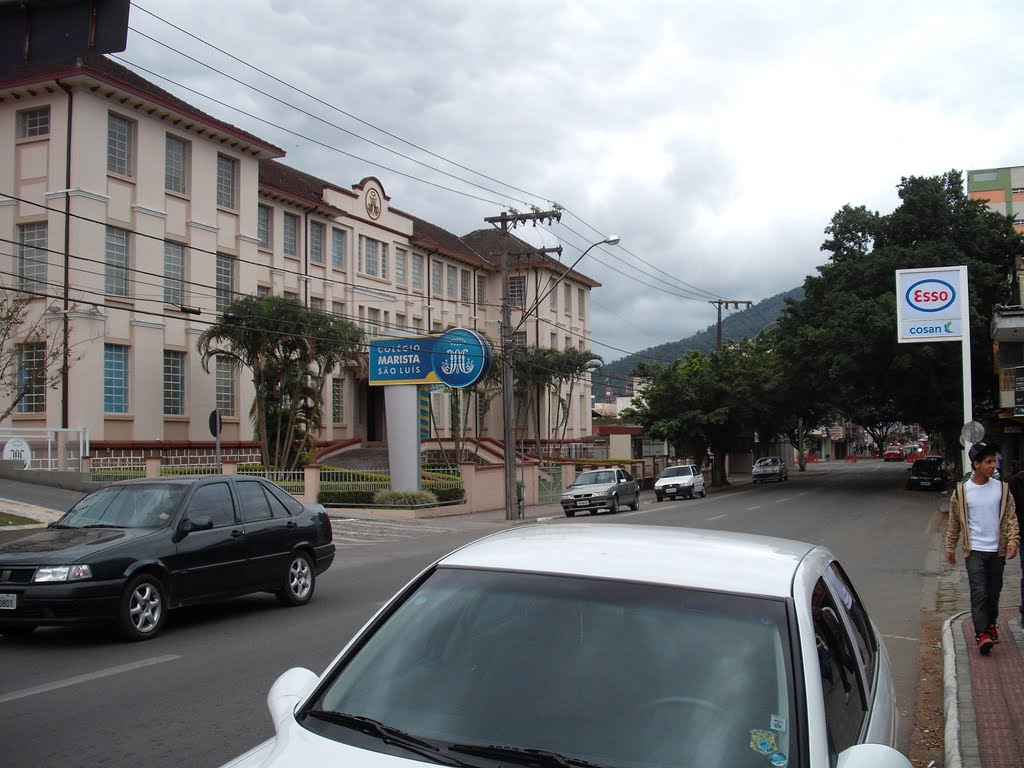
110,469
293,481
180,470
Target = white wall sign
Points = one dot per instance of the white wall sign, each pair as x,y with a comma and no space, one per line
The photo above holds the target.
931,304
17,449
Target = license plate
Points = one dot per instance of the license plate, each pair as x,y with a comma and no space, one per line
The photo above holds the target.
8,602
671,487
582,503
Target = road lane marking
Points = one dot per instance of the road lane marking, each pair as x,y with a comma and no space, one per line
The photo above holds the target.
785,498
716,517
901,637
751,509
101,673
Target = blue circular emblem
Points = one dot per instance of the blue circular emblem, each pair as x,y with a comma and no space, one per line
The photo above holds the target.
461,358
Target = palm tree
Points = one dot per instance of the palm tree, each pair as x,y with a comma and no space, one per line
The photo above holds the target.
577,364
290,350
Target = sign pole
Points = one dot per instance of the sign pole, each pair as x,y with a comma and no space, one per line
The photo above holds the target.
965,346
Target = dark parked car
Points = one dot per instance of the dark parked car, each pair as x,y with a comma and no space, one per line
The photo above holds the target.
929,472
129,552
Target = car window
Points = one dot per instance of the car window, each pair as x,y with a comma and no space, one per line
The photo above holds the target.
252,500
481,657
126,506
292,506
840,674
213,499
864,633
626,475
694,470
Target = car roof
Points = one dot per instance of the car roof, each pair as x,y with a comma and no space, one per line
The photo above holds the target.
171,479
712,560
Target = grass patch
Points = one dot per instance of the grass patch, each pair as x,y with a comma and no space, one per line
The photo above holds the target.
6,519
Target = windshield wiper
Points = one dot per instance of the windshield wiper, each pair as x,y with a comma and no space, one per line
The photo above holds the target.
524,756
101,525
388,735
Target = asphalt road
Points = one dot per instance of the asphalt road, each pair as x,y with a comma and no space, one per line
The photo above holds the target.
196,695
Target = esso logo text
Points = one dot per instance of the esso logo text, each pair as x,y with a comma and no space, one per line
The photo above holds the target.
930,295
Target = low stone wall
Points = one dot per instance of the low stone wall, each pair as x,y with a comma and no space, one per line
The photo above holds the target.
70,481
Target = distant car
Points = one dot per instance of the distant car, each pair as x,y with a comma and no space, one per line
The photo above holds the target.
600,489
130,551
928,472
770,468
577,646
684,480
893,453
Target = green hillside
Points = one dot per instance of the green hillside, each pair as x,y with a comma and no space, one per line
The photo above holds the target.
736,325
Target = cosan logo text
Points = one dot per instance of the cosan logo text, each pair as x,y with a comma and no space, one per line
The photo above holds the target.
929,330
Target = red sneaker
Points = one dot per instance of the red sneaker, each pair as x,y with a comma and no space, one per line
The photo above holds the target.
984,643
993,632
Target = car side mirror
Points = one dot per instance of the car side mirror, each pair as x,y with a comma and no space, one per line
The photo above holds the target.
197,523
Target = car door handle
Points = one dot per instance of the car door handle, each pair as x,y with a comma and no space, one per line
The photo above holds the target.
237,534
291,524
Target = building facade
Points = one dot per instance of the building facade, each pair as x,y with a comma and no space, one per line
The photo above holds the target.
132,220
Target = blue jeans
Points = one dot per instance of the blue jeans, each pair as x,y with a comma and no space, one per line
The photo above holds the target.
985,577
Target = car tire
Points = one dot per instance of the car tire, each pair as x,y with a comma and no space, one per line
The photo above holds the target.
636,502
703,492
658,498
20,630
143,609
570,512
299,581
614,507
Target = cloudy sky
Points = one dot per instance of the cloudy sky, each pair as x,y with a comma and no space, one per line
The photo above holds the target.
716,139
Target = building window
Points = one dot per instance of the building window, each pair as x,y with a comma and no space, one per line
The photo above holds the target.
452,282
32,256
338,308
337,248
176,164
553,293
417,323
120,144
292,296
519,338
262,291
400,321
581,303
401,259
32,377
225,282
467,287
174,273
227,180
174,383
315,304
517,291
554,341
265,225
417,271
373,257
337,400
567,290
118,257
372,321
316,242
33,122
481,289
435,278
115,378
291,235
226,369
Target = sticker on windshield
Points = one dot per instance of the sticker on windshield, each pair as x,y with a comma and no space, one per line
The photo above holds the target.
779,760
778,723
763,742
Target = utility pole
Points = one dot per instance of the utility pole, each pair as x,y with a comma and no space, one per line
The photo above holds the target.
726,302
510,220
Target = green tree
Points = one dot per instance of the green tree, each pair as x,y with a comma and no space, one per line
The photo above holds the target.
290,350
840,339
21,374
573,365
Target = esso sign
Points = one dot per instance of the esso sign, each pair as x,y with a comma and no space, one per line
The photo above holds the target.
930,295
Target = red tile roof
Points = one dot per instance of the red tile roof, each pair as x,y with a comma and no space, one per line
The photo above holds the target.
298,185
487,242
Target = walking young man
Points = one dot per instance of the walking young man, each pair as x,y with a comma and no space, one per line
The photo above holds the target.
983,518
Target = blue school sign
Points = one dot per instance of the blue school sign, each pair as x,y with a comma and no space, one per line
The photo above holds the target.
459,358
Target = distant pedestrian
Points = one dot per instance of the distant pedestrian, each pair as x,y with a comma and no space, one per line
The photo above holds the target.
1017,491
983,518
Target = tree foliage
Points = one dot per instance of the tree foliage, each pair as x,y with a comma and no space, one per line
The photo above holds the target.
290,351
840,340
21,375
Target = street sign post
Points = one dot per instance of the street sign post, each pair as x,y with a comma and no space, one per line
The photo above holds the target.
216,425
932,304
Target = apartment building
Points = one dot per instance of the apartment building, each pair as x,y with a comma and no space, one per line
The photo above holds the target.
133,219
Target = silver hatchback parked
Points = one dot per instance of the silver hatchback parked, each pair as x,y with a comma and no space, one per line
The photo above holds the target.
770,468
601,489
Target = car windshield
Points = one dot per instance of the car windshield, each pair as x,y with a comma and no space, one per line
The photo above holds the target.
767,461
676,472
927,468
125,506
613,673
604,477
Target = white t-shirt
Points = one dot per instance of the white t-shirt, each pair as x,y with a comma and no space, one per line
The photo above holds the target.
983,514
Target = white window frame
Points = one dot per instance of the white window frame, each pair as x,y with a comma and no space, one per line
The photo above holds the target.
32,357
417,271
338,400
116,378
227,181
32,256
176,166
118,259
517,291
316,242
174,273
174,382
265,226
226,370
401,264
290,235
120,145
337,248
33,122
225,276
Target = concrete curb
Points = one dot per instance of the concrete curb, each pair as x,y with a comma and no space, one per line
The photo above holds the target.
950,699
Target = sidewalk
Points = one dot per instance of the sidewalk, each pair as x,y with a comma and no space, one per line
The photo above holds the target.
983,695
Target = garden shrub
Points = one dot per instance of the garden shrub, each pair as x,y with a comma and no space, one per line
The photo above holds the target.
352,498
391,498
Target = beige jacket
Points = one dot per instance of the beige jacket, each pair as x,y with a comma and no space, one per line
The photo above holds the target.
958,529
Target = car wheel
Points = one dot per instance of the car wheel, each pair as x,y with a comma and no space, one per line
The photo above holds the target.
21,630
614,506
703,491
143,608
299,581
570,513
658,498
636,502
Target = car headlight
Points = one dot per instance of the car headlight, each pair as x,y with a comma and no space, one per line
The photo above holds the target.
52,573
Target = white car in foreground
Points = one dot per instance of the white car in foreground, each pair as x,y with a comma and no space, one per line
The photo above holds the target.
603,645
